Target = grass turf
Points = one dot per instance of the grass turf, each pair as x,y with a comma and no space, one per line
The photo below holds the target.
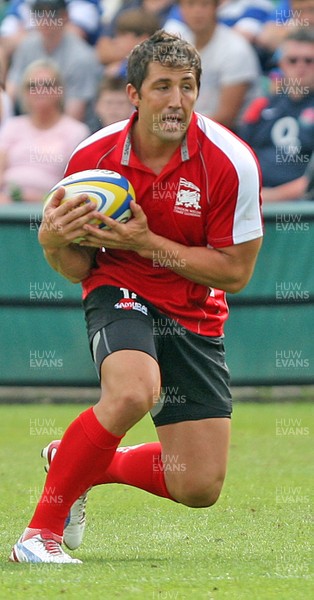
254,544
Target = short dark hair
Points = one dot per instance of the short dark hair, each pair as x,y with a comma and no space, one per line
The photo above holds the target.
169,50
300,34
53,5
137,21
111,84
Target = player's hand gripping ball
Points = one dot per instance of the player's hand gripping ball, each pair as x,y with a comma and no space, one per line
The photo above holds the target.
109,191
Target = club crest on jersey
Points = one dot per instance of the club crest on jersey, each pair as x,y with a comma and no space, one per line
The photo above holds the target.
188,199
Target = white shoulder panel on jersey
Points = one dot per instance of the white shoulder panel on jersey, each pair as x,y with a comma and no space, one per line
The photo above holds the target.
247,220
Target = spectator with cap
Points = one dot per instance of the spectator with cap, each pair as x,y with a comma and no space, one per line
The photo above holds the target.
76,59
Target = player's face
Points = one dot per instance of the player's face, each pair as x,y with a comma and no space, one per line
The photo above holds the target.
166,102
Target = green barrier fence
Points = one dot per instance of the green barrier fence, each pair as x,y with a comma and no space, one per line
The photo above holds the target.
269,334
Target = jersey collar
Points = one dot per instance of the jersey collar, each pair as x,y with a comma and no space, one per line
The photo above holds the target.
188,147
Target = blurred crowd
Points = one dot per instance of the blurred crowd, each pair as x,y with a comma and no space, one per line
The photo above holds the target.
63,76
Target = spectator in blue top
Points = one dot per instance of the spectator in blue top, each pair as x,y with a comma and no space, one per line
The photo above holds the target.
280,128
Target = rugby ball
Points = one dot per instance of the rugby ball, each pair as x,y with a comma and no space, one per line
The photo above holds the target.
109,191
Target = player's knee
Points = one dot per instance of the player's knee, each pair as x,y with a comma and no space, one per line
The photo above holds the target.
137,401
200,495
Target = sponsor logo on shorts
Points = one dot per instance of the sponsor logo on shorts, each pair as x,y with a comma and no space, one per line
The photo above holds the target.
130,304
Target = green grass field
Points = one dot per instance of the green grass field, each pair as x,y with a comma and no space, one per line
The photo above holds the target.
254,544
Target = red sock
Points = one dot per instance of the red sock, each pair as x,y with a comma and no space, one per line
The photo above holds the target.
86,449
140,466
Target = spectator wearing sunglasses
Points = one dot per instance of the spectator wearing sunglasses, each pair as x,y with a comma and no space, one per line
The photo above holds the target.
280,127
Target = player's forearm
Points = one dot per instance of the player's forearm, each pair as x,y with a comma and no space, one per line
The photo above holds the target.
73,262
206,266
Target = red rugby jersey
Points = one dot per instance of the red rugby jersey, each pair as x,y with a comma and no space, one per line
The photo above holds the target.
207,195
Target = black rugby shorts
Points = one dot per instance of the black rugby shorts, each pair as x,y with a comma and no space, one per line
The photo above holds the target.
194,375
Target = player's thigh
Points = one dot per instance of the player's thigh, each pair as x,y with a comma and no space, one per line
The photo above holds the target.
131,375
128,378
126,359
123,349
195,455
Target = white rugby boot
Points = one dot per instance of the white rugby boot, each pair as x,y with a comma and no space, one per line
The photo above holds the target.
75,522
40,547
